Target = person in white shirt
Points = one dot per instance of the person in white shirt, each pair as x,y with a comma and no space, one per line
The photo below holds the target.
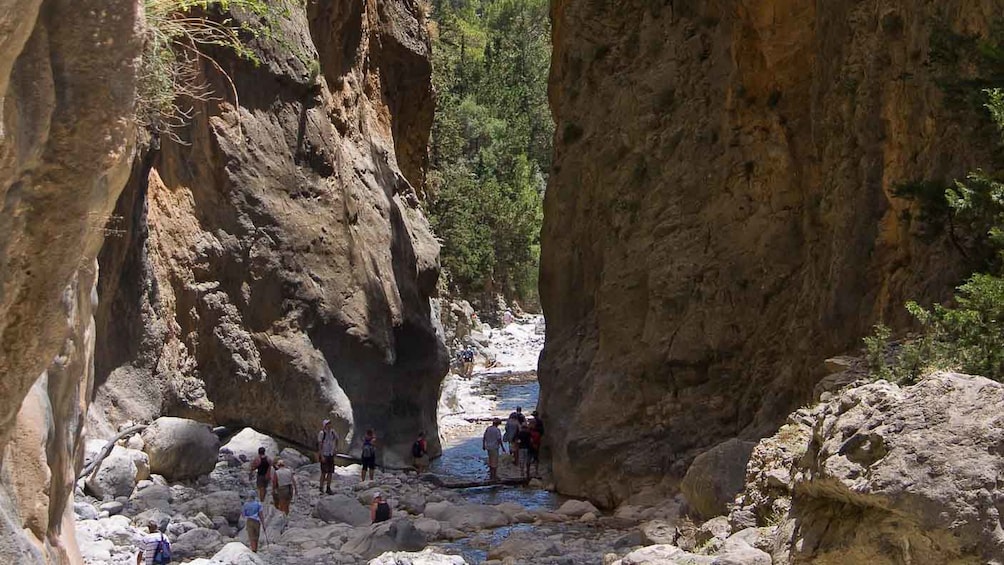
327,444
492,442
283,486
151,542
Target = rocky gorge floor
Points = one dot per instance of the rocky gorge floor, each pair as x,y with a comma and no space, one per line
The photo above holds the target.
432,522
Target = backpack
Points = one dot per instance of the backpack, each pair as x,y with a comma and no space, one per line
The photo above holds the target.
162,554
368,450
416,449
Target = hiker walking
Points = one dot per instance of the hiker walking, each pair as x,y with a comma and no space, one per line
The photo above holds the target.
369,454
263,468
511,427
283,486
492,442
379,509
327,443
523,441
420,453
154,547
467,357
536,436
253,522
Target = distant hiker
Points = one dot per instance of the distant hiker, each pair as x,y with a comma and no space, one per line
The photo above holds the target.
467,358
420,453
253,522
283,486
492,442
263,468
518,414
536,435
379,510
368,454
508,318
539,421
154,547
327,444
511,427
523,441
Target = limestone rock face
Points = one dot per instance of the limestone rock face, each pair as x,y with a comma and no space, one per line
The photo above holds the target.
275,269
721,215
67,84
897,475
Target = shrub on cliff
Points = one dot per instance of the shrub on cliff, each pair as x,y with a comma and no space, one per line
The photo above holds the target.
966,335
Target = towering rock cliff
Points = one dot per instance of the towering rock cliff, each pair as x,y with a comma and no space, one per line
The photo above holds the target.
271,267
722,216
67,86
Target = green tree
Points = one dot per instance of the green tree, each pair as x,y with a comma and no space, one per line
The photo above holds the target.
491,142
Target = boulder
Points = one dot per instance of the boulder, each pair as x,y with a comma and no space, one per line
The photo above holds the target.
919,465
236,553
577,508
244,445
716,477
738,552
112,508
390,536
715,528
658,532
293,458
151,495
525,546
413,503
196,543
181,449
223,503
663,555
85,511
466,516
118,473
431,528
341,508
424,557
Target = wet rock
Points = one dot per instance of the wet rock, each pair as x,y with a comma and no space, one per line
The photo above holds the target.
343,509
181,449
525,546
576,508
716,477
466,516
390,536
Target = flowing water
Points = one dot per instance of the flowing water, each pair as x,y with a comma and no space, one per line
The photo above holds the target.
463,459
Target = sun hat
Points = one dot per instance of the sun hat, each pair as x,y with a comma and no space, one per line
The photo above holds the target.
325,422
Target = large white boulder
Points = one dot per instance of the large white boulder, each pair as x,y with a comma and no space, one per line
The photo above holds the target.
236,553
118,473
181,449
424,557
244,445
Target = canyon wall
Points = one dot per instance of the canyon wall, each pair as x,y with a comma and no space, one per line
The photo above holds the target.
67,89
722,214
268,265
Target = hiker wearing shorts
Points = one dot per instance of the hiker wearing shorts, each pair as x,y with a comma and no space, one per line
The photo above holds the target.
253,522
152,545
492,443
283,486
261,467
379,509
327,443
369,454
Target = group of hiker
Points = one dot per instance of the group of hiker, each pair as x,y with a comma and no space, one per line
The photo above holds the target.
523,436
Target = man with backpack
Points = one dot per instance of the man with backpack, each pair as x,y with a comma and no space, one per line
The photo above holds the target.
263,467
419,453
369,454
154,547
327,443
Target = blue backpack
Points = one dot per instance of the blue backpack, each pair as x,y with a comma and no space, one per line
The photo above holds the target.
162,554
